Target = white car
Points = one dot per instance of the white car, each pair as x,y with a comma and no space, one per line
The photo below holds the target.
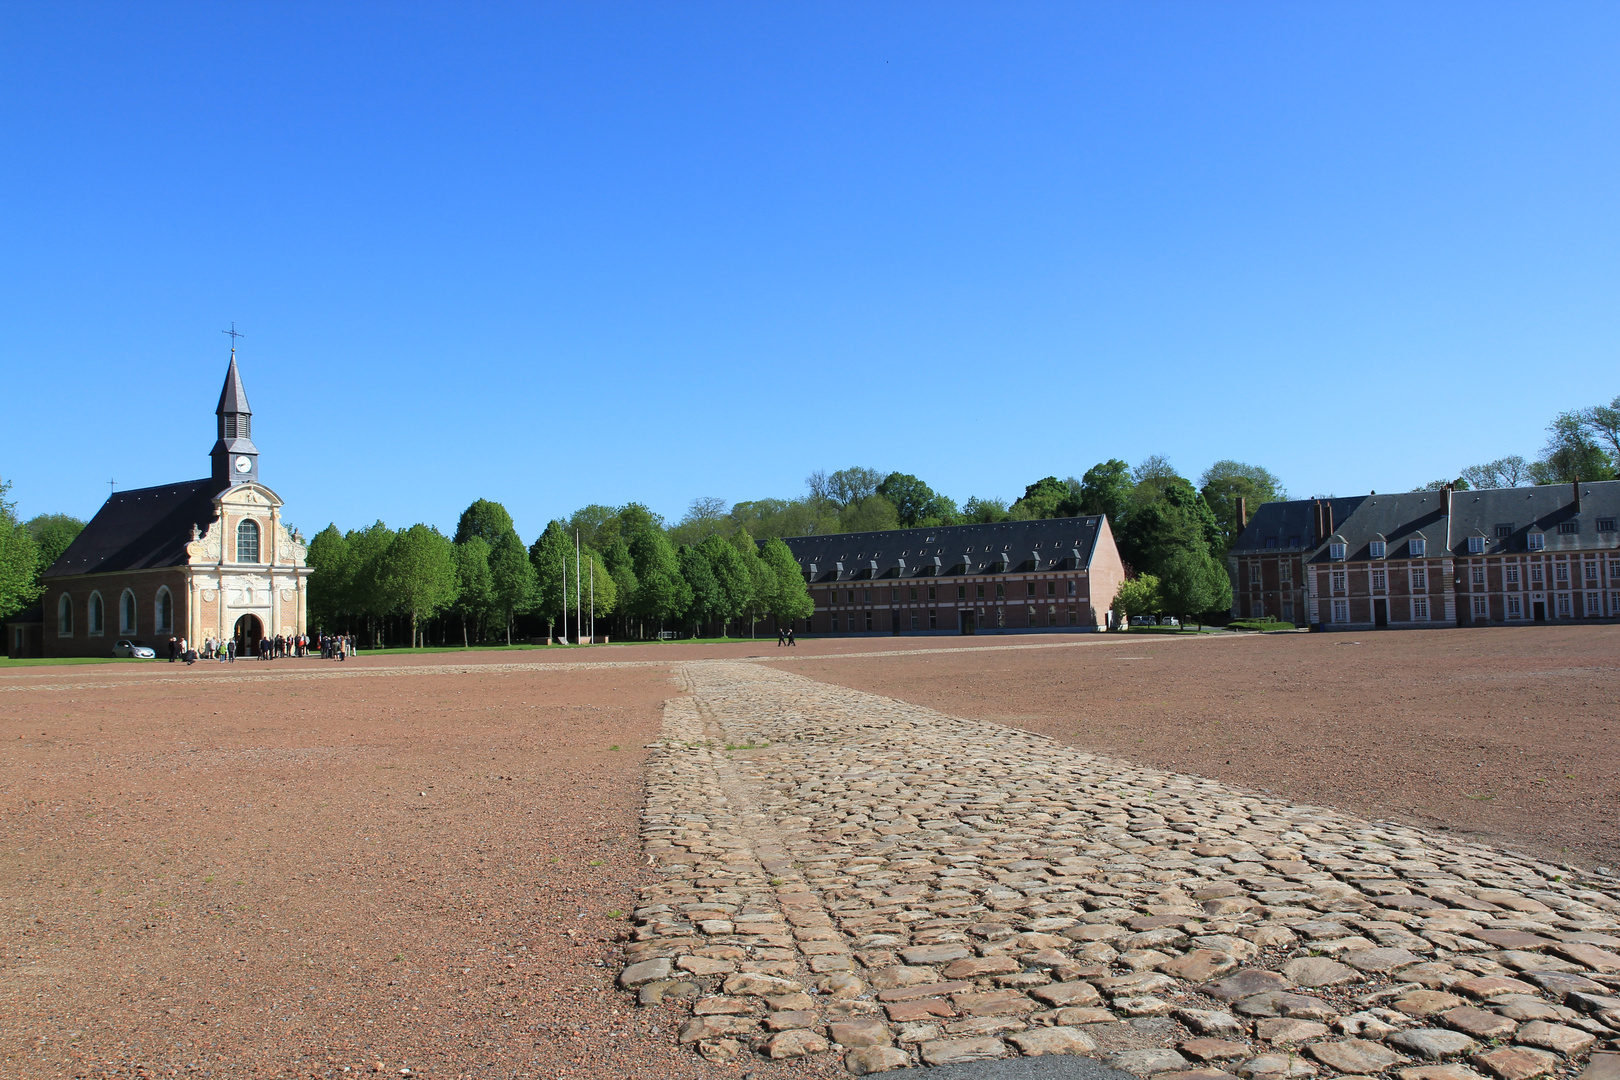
1169,620
134,650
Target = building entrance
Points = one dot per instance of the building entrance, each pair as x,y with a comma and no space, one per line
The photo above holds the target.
967,620
1380,612
1539,610
248,632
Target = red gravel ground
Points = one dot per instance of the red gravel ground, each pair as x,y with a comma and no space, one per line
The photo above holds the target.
233,870
1509,736
287,869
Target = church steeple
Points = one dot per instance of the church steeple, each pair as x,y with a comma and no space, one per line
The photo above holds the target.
236,459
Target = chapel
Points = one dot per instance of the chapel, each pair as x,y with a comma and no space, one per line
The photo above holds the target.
200,559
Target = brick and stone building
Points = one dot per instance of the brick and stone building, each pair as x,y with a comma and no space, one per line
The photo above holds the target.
198,559
1428,559
1055,575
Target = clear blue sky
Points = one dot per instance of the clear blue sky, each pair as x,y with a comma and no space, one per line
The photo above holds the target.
553,255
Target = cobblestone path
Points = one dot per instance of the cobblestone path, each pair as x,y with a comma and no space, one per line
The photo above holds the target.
847,874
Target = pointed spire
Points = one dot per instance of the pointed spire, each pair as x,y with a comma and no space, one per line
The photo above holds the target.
233,398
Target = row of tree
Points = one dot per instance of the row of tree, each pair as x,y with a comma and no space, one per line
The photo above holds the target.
616,571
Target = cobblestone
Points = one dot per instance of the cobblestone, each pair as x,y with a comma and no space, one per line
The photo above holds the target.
840,866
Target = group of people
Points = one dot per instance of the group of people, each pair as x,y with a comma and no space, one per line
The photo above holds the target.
225,650
785,637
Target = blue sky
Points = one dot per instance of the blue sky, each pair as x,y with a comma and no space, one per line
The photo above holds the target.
554,255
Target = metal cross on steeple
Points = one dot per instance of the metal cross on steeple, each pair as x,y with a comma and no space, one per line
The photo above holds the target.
234,335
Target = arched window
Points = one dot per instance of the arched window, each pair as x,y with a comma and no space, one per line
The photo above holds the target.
126,613
64,616
165,611
98,620
247,541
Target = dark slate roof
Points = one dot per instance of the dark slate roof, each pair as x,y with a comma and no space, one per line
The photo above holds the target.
1478,513
140,529
1394,519
35,614
233,397
1290,524
1005,547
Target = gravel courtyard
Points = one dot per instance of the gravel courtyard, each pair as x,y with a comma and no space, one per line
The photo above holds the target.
443,863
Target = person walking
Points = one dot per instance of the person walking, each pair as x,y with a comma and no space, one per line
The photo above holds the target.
791,640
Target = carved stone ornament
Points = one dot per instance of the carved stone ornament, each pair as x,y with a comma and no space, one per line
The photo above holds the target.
208,595
206,547
286,594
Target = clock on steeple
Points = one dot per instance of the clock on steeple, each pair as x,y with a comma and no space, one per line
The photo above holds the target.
236,459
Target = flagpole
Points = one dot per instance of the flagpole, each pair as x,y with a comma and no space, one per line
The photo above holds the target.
593,601
579,624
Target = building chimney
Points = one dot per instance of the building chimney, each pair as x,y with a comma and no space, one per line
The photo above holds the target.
1316,521
1243,512
1576,488
1327,518
1445,500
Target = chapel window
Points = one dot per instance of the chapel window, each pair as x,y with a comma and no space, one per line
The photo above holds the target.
247,541
64,616
97,614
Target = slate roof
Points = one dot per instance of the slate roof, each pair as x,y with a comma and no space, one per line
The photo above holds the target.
1396,519
140,529
233,396
1284,525
1476,513
1005,547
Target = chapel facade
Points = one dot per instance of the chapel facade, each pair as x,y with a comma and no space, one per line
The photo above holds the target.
198,559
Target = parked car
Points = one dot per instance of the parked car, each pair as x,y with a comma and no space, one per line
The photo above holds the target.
1169,620
134,650
1143,620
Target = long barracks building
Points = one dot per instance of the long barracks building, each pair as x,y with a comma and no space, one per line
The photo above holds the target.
1058,574
1499,556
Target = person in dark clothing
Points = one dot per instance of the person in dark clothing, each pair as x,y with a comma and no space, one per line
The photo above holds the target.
174,648
791,641
781,638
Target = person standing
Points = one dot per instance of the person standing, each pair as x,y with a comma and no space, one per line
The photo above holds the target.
230,651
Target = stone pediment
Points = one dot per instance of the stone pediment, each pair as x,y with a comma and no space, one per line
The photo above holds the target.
249,497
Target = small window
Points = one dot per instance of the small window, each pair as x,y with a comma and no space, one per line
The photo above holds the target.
1512,574
1569,528
1051,588
1001,591
1254,573
1476,545
1376,549
1536,541
894,595
1515,608
1504,529
1591,571
1341,611
1293,541
1336,552
1477,575
1415,547
849,596
1029,588
1535,575
126,613
64,616
1071,588
978,591
1561,572
1380,581
913,590
1605,524
1592,604
165,612
1420,580
1271,542
247,541
98,615
1420,609
961,592
1479,607
933,617
931,593
1338,580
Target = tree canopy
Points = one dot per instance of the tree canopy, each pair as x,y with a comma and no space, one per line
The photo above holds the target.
1225,482
19,559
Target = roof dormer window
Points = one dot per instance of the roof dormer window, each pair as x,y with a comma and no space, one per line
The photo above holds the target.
1336,552
1476,545
1376,549
1415,547
1536,541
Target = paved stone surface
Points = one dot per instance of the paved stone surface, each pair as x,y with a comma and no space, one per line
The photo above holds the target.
938,891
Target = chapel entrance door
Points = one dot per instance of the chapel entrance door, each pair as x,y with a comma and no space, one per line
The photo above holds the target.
248,632
1380,612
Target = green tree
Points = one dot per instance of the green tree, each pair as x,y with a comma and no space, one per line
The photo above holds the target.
705,517
512,577
330,583
419,575
768,518
1603,423
368,597
871,513
661,593
1138,596
1224,483
915,503
1106,489
1045,498
486,519
790,598
19,559
1177,520
52,534
761,578
1506,472
1193,584
731,574
977,511
598,526
621,567
475,586
1571,452
846,486
704,599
